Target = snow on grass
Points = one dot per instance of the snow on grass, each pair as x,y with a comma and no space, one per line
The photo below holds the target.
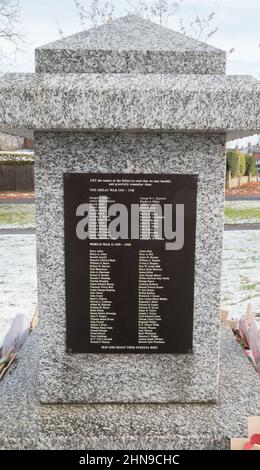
241,271
18,283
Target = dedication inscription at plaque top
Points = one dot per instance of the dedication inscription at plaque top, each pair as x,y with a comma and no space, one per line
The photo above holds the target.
130,255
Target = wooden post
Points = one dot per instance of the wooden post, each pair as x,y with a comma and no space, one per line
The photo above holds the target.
228,180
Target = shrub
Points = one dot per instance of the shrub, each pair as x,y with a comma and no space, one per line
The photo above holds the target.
242,164
250,165
10,158
233,163
236,163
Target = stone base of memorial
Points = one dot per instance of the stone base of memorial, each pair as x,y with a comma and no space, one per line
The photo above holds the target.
28,424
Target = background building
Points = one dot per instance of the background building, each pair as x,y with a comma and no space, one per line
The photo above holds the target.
13,143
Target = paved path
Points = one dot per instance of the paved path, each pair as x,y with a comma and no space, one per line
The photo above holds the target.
243,198
17,201
229,227
17,231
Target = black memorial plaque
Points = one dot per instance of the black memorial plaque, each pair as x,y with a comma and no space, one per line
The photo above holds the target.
130,250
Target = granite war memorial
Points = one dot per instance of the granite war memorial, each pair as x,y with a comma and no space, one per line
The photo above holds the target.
130,122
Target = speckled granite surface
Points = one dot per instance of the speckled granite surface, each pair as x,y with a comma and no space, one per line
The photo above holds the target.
25,424
130,45
149,102
123,378
137,81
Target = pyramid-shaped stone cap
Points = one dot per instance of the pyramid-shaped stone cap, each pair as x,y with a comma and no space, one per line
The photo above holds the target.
130,45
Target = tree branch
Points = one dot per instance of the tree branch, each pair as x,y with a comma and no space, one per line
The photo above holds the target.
96,12
10,26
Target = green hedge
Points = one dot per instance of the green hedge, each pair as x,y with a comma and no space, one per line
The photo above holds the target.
240,164
9,158
250,165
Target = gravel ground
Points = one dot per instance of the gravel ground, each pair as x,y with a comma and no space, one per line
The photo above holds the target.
241,272
246,190
18,285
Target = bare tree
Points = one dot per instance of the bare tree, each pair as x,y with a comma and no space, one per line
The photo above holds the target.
10,26
95,12
199,27
159,10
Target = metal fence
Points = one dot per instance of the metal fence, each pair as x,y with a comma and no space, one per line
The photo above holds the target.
17,177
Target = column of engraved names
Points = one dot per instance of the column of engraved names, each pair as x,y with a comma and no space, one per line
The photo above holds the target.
102,290
151,285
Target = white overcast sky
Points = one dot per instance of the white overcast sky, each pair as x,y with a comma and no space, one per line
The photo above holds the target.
238,24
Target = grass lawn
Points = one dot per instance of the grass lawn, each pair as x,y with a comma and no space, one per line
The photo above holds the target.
242,212
238,214
17,215
23,215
